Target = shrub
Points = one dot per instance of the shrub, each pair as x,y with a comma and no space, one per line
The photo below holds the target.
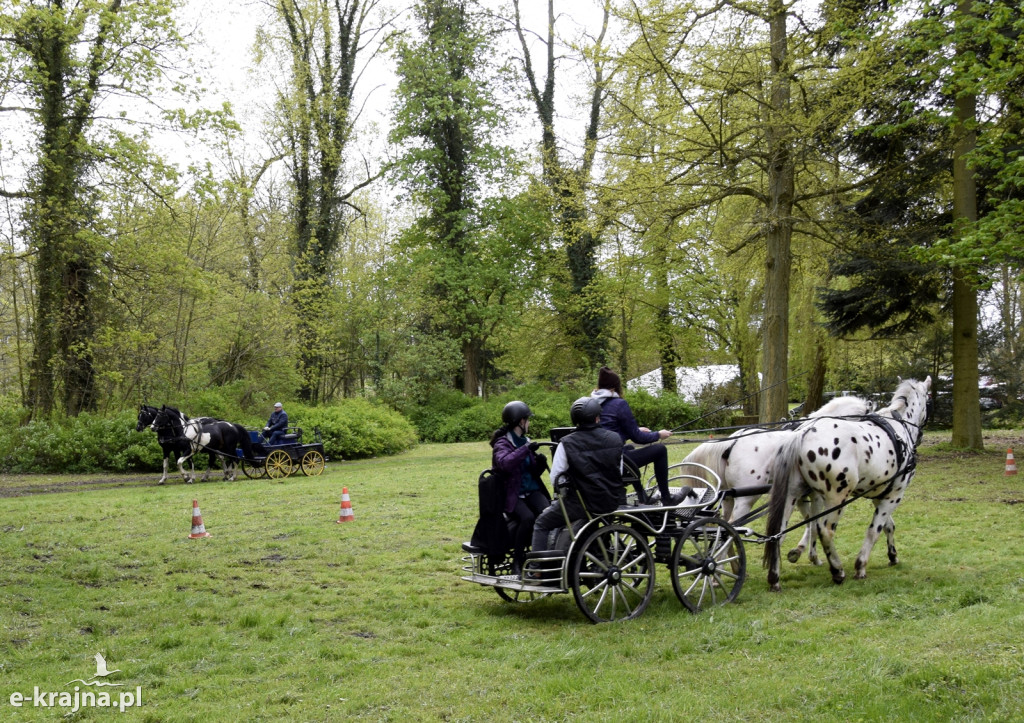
87,443
355,428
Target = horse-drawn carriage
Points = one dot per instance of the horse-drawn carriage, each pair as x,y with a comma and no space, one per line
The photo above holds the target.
181,438
280,460
608,561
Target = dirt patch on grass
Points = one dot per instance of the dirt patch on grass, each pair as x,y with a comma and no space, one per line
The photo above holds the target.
23,486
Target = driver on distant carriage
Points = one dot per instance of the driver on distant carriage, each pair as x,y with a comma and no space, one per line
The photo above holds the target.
276,425
592,458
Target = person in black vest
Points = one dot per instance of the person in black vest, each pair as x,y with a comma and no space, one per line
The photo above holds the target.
591,457
515,460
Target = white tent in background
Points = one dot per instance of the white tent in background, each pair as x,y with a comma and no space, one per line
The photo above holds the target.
690,381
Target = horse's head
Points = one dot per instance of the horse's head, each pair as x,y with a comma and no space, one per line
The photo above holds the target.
910,402
146,416
168,418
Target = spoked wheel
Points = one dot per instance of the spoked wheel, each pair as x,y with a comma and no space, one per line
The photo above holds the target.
612,575
312,463
279,464
253,470
708,565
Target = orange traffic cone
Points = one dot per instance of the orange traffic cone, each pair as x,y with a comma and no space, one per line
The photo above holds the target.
198,528
1011,466
346,508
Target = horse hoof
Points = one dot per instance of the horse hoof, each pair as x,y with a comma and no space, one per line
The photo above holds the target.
838,579
793,555
894,561
775,588
861,574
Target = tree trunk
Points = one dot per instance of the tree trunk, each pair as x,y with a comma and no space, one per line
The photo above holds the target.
779,226
966,403
816,382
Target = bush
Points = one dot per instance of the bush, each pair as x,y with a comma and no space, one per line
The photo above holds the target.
355,428
87,443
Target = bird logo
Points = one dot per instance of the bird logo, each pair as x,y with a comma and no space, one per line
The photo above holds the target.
101,672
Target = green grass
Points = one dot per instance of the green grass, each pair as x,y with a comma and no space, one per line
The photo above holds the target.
284,615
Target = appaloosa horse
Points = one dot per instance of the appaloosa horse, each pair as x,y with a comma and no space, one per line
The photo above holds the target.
742,460
844,459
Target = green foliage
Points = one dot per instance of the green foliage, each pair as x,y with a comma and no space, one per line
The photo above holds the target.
355,428
87,443
664,412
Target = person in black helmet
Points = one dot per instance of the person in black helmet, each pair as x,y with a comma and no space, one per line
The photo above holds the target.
514,458
592,458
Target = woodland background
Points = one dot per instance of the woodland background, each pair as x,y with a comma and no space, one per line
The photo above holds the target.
826,194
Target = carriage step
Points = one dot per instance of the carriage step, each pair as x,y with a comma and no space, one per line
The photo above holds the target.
473,549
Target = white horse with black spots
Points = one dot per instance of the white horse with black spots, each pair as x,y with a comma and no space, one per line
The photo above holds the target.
742,460
842,460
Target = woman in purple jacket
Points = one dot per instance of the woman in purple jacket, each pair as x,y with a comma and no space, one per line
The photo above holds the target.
617,416
514,458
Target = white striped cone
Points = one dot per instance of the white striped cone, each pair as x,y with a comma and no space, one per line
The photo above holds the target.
345,515
1011,465
198,528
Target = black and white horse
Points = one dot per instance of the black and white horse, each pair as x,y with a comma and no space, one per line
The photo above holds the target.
215,437
173,444
842,459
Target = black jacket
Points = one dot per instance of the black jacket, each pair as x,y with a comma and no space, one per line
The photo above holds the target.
594,456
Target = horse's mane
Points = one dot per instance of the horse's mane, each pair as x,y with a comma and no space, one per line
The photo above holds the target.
846,405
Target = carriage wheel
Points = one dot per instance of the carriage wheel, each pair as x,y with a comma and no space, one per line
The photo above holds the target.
253,470
613,574
312,463
708,565
279,464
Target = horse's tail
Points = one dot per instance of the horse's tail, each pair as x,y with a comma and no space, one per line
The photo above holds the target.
244,441
780,471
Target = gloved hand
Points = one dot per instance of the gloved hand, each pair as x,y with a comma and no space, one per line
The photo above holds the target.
266,429
542,464
533,446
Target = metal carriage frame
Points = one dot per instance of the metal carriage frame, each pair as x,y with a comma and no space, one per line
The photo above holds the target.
608,562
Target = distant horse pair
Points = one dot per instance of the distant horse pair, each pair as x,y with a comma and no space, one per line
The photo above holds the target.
182,438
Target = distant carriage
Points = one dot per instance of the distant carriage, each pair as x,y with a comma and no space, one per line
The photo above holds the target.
280,460
182,437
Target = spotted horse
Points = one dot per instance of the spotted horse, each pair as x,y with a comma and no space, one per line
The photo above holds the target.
842,460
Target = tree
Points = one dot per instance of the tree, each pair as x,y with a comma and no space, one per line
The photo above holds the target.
581,312
325,42
69,60
469,257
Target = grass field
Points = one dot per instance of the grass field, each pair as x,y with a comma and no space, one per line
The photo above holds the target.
285,615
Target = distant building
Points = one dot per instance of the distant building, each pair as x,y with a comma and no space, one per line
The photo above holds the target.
690,381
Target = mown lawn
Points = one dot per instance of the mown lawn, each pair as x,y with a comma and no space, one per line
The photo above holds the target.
285,615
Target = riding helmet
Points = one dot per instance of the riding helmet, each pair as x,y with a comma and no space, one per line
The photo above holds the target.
514,412
584,410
